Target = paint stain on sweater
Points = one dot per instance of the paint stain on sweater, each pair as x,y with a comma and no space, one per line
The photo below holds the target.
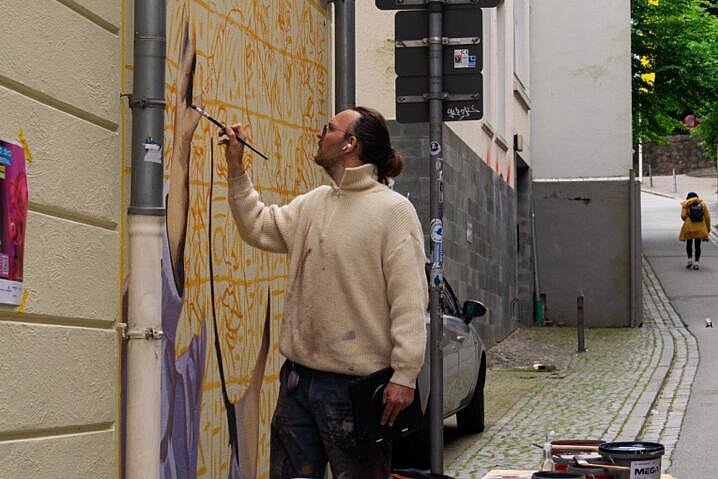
349,335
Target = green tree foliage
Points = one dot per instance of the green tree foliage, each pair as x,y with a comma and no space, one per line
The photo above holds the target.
675,68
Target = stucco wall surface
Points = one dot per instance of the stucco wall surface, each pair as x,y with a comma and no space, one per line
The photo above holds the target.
59,85
582,236
580,88
479,224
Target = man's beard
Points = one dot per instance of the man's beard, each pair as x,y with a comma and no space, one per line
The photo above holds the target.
324,160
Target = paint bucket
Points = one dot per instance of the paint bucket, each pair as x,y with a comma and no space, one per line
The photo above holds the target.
557,475
642,458
563,457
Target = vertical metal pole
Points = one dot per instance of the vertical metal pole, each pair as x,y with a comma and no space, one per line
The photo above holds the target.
436,199
580,324
632,232
650,175
675,183
640,160
344,55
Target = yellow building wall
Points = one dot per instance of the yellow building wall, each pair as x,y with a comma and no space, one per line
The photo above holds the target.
60,84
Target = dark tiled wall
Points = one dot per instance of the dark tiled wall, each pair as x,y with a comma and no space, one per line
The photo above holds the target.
484,268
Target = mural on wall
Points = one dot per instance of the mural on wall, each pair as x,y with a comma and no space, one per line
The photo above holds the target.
264,64
13,218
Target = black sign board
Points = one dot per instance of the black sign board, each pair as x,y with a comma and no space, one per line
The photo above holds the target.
461,56
419,4
467,87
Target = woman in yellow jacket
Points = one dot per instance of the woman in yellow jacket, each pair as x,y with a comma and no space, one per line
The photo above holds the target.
696,226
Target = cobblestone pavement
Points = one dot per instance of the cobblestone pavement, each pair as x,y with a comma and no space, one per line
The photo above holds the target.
663,425
629,384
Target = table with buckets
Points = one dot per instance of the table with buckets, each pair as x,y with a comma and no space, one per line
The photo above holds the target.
586,459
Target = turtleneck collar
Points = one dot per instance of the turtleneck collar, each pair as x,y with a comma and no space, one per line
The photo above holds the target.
357,179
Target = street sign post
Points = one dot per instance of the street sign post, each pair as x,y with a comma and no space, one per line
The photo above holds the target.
462,49
461,59
465,104
438,64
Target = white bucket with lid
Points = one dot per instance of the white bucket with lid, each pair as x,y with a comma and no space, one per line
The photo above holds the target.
643,459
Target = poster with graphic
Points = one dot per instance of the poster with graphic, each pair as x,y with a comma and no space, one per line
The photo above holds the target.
13,219
264,64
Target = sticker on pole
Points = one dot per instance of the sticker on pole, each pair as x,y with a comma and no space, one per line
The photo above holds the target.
436,274
462,58
435,148
436,231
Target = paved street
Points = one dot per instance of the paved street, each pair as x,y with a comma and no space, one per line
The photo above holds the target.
630,384
693,294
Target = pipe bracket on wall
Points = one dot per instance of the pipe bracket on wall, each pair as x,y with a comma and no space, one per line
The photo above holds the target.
143,102
147,333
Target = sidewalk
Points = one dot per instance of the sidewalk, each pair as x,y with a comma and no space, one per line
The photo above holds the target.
630,384
705,186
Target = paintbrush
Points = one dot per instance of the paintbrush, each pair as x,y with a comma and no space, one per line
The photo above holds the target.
204,113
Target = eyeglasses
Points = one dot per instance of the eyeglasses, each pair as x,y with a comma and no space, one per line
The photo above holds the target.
330,127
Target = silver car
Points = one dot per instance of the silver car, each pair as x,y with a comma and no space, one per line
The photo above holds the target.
464,377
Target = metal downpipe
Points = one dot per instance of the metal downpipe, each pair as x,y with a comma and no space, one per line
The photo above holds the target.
146,218
344,55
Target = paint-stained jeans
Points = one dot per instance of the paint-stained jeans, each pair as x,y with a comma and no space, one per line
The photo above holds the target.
313,424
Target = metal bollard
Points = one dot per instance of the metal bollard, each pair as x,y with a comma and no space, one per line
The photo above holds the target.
650,175
580,324
675,184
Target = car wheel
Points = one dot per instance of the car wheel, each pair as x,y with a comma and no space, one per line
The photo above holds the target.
413,451
471,418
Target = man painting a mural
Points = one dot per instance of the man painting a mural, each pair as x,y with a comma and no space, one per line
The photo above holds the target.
355,299
354,290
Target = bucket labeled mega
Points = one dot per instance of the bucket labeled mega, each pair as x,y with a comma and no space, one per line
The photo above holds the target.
641,459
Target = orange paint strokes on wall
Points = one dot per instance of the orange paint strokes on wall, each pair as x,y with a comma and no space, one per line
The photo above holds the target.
264,64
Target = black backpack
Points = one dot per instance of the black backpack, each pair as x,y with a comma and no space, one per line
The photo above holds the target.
695,212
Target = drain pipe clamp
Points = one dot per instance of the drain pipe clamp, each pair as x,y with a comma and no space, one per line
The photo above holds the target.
147,333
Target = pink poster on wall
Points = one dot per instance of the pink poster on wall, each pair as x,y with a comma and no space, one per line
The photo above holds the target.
13,218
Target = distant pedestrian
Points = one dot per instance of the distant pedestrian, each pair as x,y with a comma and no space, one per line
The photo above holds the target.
696,226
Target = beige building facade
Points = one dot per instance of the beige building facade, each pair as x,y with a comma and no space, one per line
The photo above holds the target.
59,86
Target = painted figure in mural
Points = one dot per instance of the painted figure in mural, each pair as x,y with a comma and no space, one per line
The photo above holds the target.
696,226
185,367
355,298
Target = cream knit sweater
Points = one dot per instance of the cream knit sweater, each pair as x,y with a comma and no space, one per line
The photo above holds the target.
356,290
